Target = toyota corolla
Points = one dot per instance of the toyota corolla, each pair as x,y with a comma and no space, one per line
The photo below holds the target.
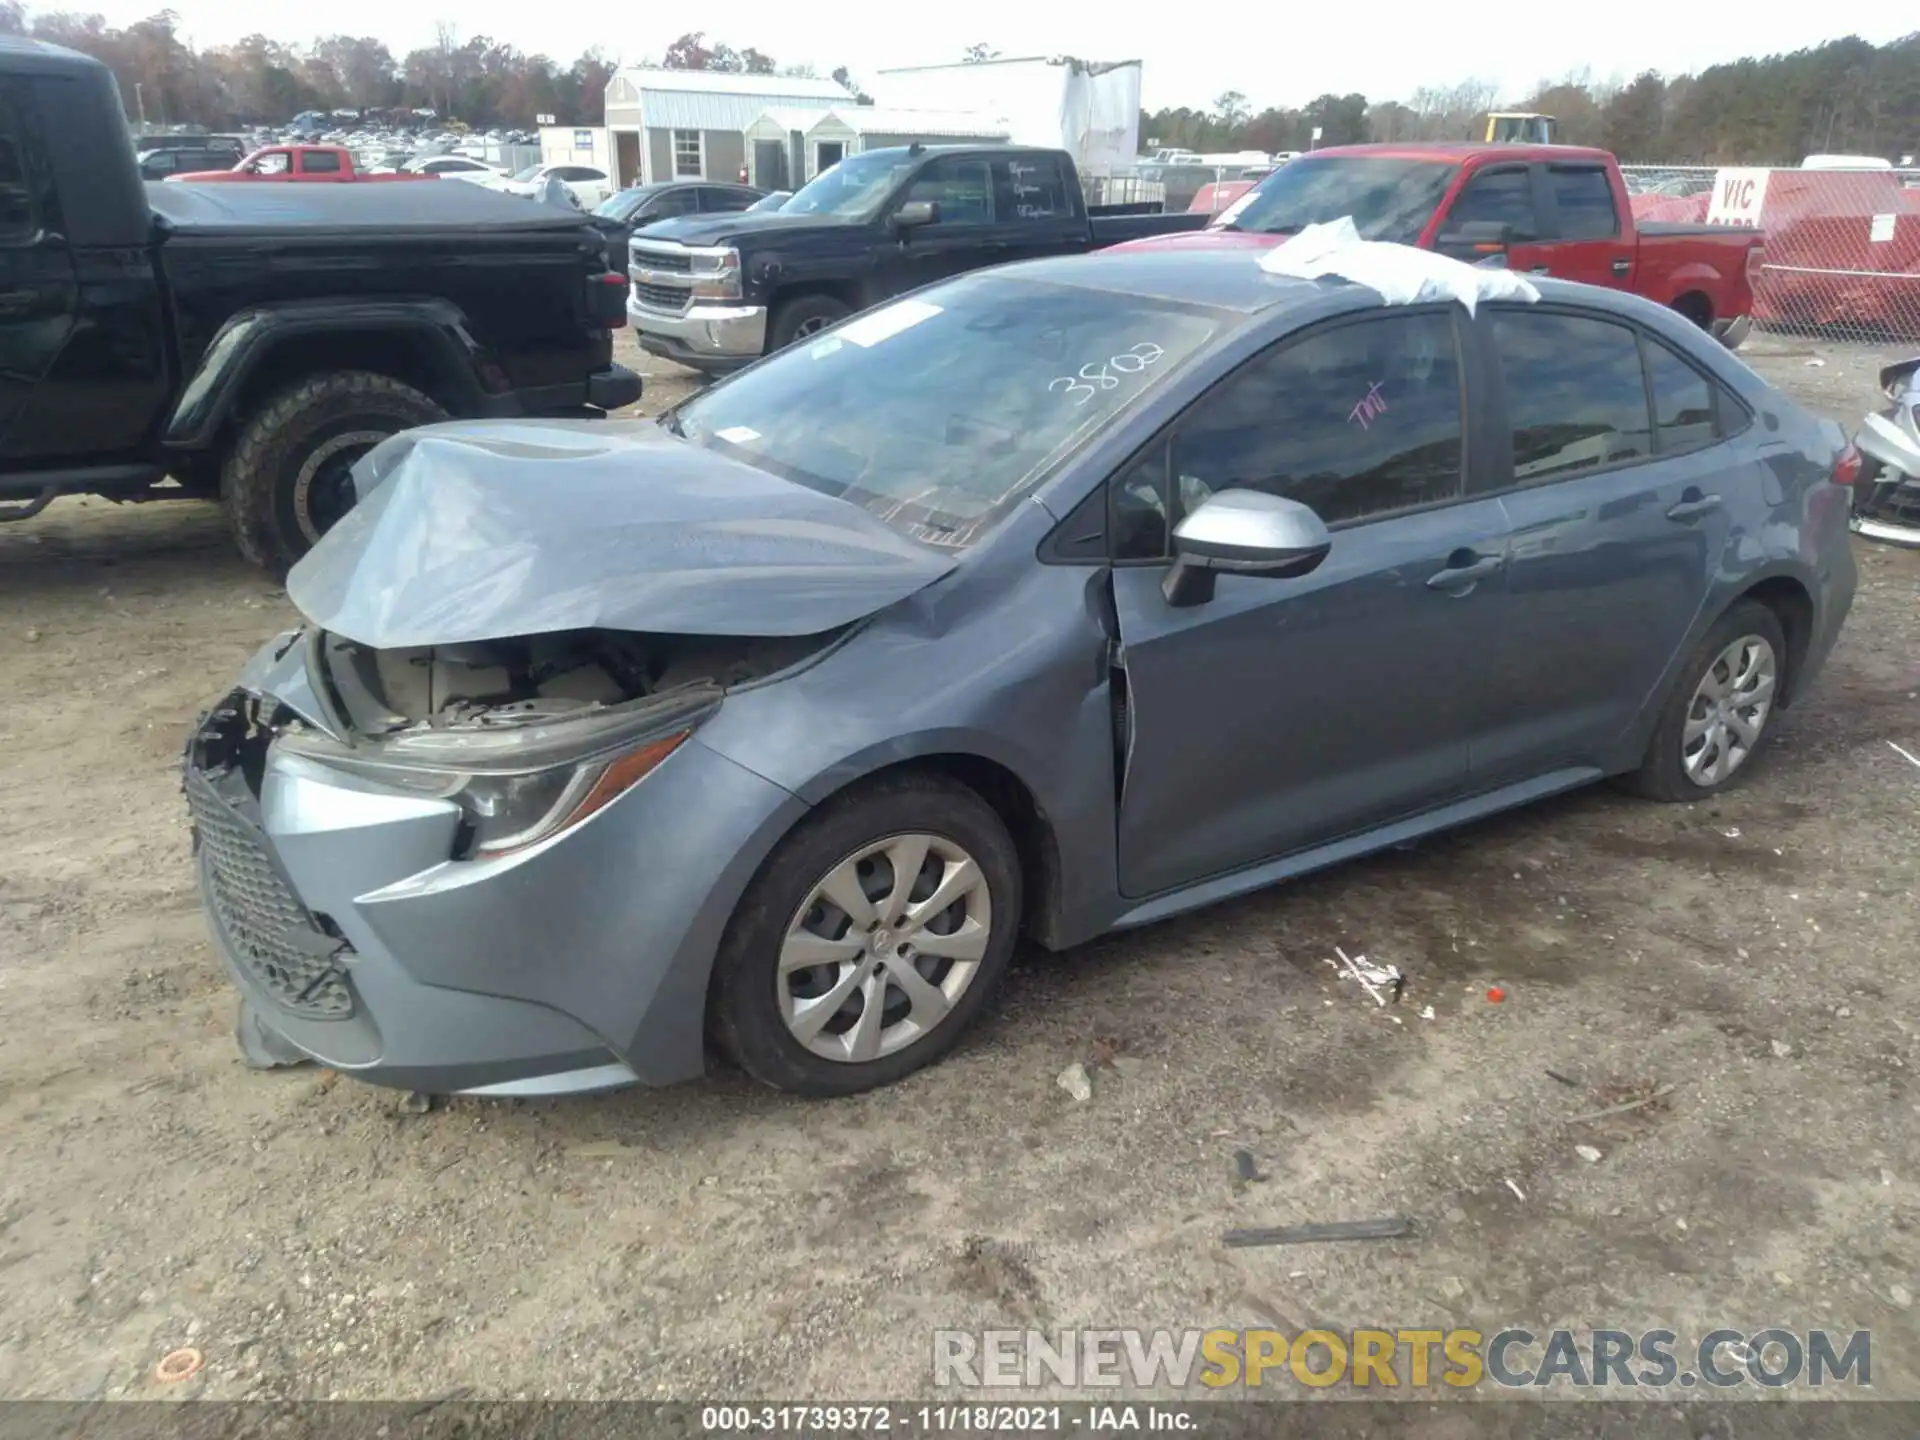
1051,600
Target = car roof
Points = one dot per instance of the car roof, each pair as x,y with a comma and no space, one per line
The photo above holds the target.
1453,151
1231,279
19,55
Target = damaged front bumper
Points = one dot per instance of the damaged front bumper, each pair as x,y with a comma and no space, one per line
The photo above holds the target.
358,938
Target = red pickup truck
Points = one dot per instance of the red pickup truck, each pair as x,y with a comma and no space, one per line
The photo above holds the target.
1552,209
312,164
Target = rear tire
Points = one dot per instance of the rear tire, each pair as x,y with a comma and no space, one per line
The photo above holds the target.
782,1023
1726,695
285,482
802,316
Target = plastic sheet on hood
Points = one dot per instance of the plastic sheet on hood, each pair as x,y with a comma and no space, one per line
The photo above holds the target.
492,529
1402,274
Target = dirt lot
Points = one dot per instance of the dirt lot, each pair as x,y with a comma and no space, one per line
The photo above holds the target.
312,1239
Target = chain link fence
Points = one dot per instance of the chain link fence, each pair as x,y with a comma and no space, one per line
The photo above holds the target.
1842,246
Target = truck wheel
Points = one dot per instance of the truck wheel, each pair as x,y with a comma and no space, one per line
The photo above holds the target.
287,480
802,316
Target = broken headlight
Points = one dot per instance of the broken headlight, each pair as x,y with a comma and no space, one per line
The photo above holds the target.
517,785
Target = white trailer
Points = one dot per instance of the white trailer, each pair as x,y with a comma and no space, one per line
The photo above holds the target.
1089,109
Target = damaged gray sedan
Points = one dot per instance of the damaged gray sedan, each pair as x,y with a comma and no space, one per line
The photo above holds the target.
1051,600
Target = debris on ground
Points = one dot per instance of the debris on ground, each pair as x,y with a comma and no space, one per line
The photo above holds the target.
1514,1186
1901,1296
1495,995
1075,1082
604,1150
1905,754
1426,1012
1245,1168
1379,981
1649,1100
178,1365
415,1102
1782,1050
1106,1048
1387,1228
1587,1153
1563,1079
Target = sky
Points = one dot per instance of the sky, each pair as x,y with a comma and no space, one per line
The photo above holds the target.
1275,55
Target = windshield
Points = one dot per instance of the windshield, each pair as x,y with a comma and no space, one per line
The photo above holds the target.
620,205
532,172
1388,199
854,187
939,412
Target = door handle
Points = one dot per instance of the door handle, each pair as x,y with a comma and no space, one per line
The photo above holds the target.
1622,267
1539,270
1693,505
1460,578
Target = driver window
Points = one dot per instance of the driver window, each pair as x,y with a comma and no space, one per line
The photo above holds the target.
961,188
269,165
1500,196
1357,422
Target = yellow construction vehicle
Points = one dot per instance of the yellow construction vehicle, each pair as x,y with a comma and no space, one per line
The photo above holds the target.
1519,127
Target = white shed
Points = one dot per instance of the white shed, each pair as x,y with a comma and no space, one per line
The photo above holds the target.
812,143
671,124
1089,109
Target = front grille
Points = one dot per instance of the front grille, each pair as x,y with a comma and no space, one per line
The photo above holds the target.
1892,503
661,257
268,930
672,298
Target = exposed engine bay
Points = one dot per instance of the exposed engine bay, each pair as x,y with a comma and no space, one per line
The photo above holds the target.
541,678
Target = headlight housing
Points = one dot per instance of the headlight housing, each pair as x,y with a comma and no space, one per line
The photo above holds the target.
716,273
517,784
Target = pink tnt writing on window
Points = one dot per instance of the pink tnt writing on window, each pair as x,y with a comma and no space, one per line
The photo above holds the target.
1370,408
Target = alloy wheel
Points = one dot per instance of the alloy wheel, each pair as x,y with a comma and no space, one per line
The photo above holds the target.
1729,709
883,947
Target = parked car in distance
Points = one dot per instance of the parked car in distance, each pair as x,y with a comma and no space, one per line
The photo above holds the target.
590,186
716,294
252,344
1053,599
300,164
625,212
1219,195
772,200
456,167
160,163
1558,210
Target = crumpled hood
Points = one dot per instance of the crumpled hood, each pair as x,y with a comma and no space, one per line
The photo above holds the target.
486,530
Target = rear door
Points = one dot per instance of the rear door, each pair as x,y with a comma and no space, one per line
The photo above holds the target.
1284,714
1618,493
1040,214
1589,244
39,294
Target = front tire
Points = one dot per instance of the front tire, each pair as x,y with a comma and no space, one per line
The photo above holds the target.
1720,711
871,939
286,481
802,316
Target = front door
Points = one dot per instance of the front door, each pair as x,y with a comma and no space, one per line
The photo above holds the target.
1283,714
39,294
961,188
1619,520
1504,195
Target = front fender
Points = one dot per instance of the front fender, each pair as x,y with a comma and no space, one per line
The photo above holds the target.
251,336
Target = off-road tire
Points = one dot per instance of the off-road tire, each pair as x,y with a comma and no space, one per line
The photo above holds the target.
804,312
259,483
743,1006
1661,775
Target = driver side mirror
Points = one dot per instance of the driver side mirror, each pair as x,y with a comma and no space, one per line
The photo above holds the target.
1475,240
915,213
1244,532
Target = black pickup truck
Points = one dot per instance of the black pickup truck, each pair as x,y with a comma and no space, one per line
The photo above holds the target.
249,342
715,293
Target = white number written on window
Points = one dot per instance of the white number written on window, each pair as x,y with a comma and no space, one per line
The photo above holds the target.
1098,375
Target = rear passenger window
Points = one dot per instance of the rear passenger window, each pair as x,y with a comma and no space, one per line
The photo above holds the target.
1682,401
1503,197
320,162
1031,188
17,220
1575,396
1584,197
1356,422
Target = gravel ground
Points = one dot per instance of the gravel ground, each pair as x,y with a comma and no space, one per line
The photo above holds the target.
312,1239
